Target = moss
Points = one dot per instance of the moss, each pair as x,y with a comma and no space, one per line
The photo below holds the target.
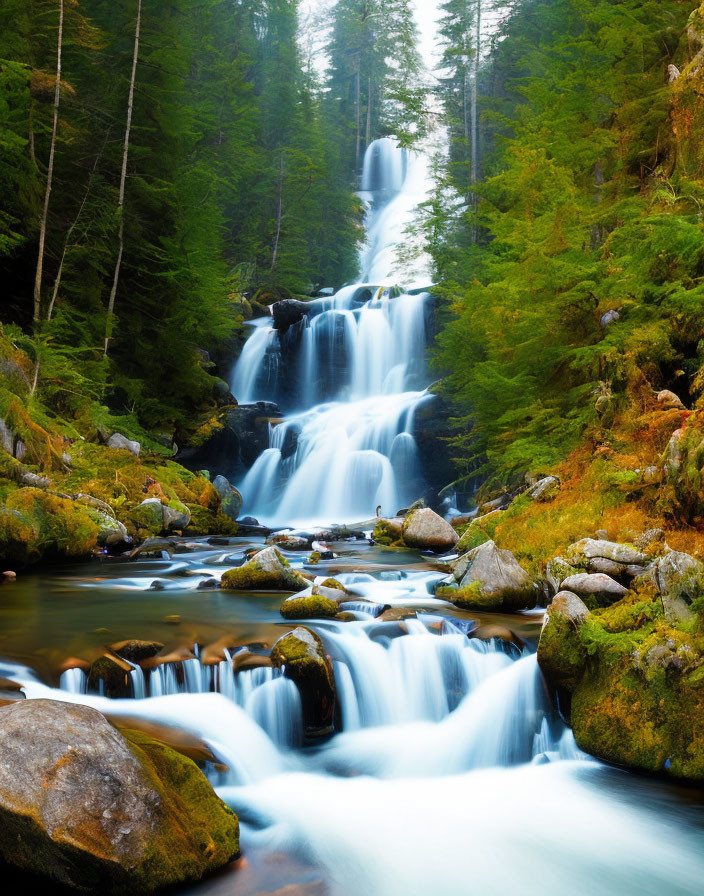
314,558
302,657
471,597
63,527
203,833
252,577
18,539
387,535
314,607
207,522
562,655
332,583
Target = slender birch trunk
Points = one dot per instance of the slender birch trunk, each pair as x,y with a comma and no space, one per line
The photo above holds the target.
69,233
123,177
49,175
279,213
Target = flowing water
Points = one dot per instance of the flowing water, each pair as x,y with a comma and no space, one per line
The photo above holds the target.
347,443
449,772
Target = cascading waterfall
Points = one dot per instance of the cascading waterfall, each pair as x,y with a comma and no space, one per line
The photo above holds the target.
348,445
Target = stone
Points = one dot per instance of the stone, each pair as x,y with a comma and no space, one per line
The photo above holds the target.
491,579
111,531
103,812
230,498
302,657
545,489
496,633
426,530
652,543
610,317
122,443
557,571
267,570
388,532
668,401
561,655
289,542
597,589
157,518
33,480
674,577
313,606
582,552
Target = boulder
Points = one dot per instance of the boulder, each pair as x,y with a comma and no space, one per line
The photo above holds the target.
496,633
595,589
668,401
561,655
426,530
674,576
557,571
313,606
111,531
99,811
545,489
288,542
122,443
479,531
230,498
388,532
109,676
302,657
268,570
156,518
588,549
652,543
490,579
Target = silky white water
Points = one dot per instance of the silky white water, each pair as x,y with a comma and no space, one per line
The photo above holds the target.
360,370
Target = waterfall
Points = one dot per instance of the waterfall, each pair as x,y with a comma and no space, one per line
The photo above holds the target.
347,446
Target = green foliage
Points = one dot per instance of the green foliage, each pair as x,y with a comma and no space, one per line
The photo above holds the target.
587,205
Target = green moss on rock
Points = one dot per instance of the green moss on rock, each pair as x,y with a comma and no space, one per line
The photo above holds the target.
314,607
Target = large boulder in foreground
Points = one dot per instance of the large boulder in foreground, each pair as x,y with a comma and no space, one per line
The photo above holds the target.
426,530
101,812
268,570
302,656
490,579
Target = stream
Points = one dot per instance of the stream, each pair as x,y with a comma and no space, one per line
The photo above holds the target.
451,772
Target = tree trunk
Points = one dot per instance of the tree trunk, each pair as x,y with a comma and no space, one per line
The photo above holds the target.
369,112
123,177
49,175
474,170
359,117
57,281
279,213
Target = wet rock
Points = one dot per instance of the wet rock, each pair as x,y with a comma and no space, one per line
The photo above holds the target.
397,614
426,530
289,312
496,633
313,606
490,579
288,542
595,589
230,498
122,443
9,575
136,651
268,570
112,532
101,812
110,676
561,655
302,657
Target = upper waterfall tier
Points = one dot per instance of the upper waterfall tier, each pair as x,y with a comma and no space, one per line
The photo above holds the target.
350,373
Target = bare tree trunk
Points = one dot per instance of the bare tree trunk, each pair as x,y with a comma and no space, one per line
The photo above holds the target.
57,281
474,170
369,112
49,175
359,118
123,177
279,213
474,175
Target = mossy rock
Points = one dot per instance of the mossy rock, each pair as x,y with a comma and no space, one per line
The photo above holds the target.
471,597
102,811
63,527
207,522
268,570
18,539
314,607
302,656
562,655
388,533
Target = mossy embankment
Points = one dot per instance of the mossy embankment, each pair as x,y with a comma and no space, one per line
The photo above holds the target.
65,492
